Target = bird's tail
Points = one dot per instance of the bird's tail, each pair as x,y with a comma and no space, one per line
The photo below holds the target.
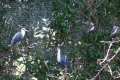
70,67
110,38
87,32
11,43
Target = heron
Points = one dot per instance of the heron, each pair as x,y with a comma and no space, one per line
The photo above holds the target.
46,21
18,36
114,32
90,29
62,60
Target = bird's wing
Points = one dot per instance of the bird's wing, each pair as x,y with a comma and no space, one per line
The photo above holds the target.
63,61
91,27
114,31
87,32
110,37
16,38
68,63
113,34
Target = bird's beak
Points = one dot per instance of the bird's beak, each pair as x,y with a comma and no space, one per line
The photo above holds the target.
26,30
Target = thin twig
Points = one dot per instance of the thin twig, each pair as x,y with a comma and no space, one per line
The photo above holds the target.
107,54
104,48
50,75
74,71
110,70
94,10
84,14
89,74
109,60
65,76
110,41
114,55
116,76
100,71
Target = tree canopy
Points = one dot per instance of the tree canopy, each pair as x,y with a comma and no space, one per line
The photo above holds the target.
50,23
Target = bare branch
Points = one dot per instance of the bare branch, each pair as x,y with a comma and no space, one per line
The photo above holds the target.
110,41
107,54
94,10
105,59
52,76
115,54
110,70
84,15
116,76
100,71
75,70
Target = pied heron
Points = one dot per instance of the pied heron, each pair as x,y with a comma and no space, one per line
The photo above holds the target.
114,32
62,60
90,29
18,36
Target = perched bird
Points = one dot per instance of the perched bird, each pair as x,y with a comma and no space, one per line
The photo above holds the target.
18,36
114,32
46,21
63,60
90,29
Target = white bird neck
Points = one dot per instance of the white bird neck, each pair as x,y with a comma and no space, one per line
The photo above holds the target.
58,55
23,33
92,28
115,31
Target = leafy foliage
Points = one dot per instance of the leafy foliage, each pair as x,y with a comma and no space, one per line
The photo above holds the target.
69,21
63,18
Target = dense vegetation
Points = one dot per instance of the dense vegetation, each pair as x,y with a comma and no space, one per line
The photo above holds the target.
69,21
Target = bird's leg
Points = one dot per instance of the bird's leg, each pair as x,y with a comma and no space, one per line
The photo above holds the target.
65,69
18,49
117,38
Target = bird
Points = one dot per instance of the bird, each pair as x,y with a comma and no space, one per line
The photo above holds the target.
114,32
62,60
90,29
18,36
46,21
